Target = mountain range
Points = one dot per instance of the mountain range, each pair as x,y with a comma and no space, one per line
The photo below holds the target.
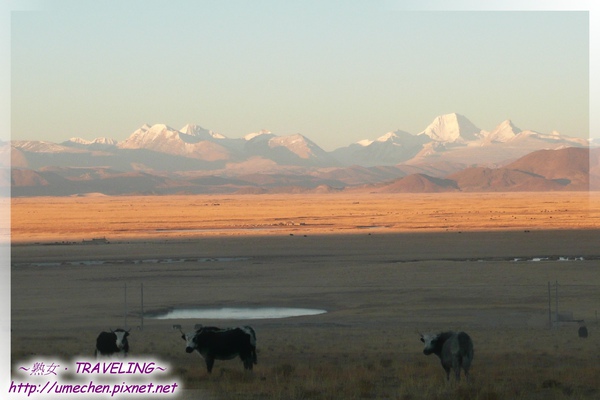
451,154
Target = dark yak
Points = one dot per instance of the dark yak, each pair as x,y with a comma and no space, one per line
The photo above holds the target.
223,344
113,342
455,351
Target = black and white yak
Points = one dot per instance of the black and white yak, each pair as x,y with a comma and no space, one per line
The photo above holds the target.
223,344
113,342
455,351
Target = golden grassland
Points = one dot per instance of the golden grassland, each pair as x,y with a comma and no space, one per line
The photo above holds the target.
384,267
77,218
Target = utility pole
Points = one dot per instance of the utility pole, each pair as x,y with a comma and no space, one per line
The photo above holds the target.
549,306
142,313
125,327
556,301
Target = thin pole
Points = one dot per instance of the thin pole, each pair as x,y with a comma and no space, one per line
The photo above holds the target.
556,301
142,314
549,306
125,306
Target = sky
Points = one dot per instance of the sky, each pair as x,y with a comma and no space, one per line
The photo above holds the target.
334,71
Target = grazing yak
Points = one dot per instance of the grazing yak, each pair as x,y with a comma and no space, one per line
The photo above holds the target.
223,344
455,351
113,342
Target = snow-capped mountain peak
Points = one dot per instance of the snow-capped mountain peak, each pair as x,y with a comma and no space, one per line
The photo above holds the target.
78,140
263,132
160,128
200,132
397,137
296,143
364,142
99,142
149,136
105,141
42,147
452,128
390,136
504,132
194,130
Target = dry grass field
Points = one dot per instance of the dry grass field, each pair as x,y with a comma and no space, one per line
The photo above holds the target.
384,267
148,217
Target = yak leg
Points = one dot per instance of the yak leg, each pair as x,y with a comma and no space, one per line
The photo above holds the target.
466,374
456,365
466,364
210,361
254,358
247,359
447,369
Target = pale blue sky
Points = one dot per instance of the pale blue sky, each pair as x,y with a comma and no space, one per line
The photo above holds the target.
334,71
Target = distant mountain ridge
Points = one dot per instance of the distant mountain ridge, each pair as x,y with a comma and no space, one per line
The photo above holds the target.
544,170
445,139
451,153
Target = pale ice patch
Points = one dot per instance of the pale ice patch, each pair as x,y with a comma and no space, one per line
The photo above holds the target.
238,313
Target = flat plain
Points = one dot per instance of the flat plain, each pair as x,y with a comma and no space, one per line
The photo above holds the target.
384,267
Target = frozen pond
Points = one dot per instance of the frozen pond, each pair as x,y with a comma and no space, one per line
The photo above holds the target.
237,313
